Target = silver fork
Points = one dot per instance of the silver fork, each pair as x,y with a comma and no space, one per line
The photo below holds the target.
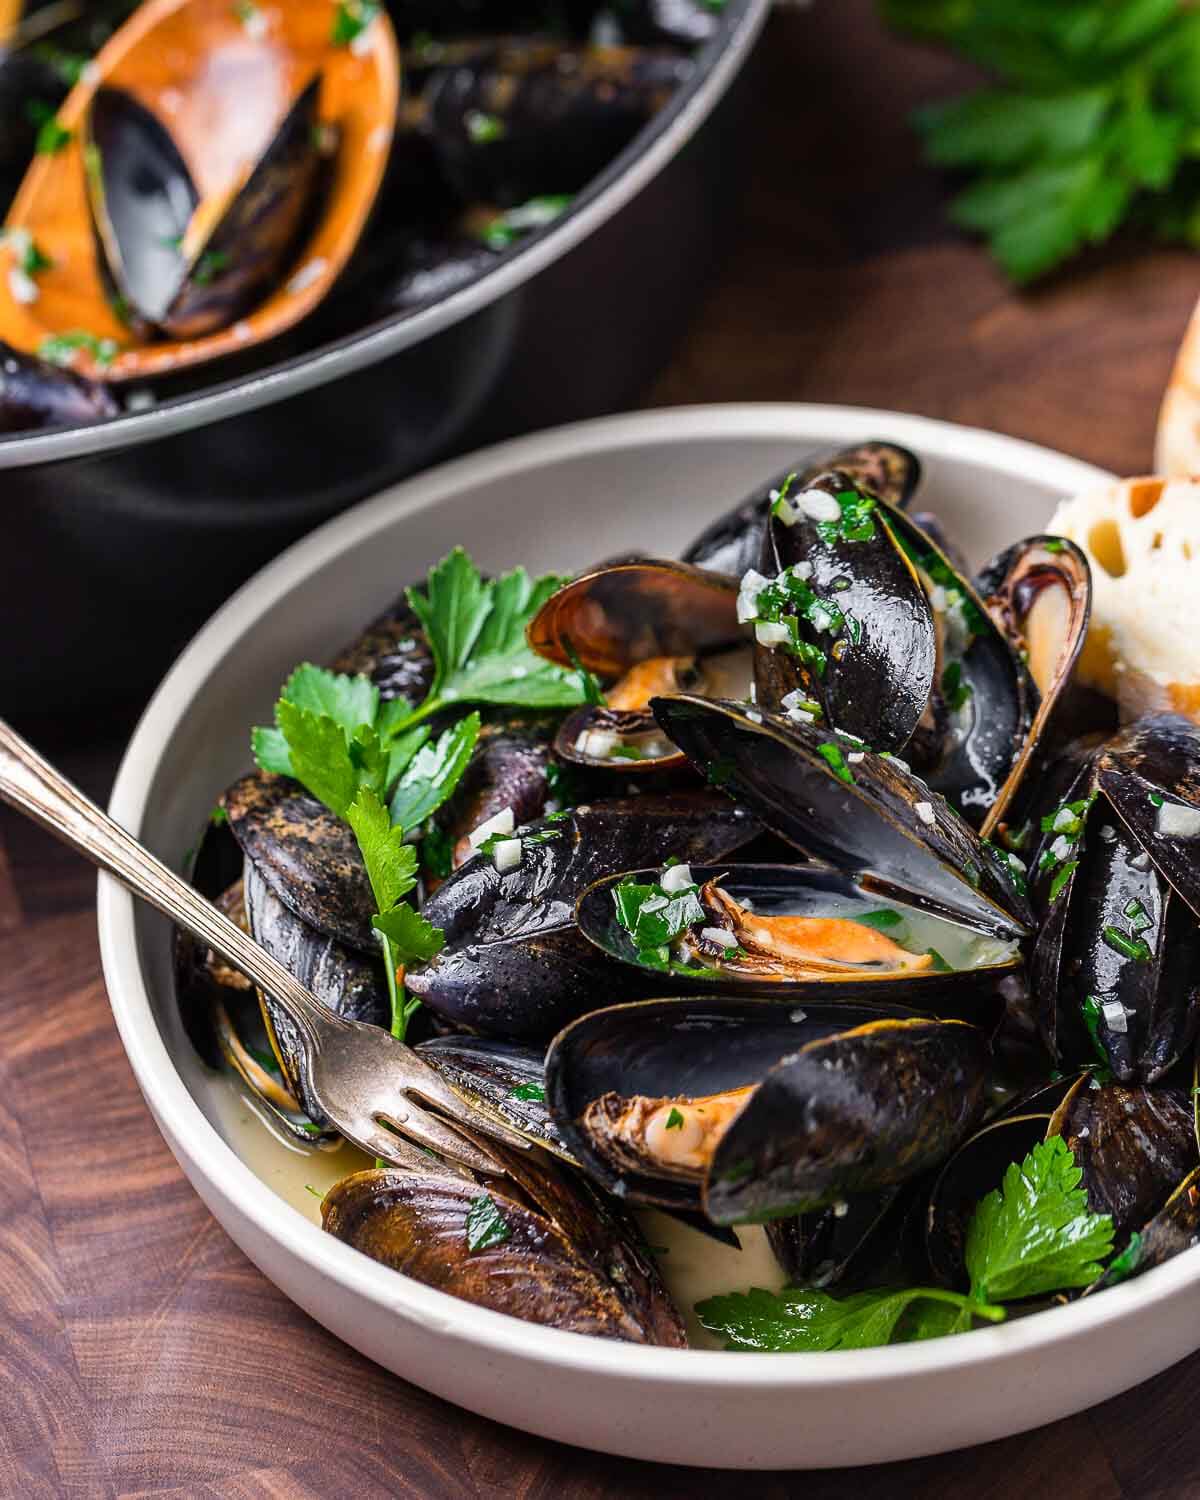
366,1081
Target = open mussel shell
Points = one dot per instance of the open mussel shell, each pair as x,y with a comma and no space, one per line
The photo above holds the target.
308,857
849,943
732,544
1174,1228
554,1253
870,627
35,393
1039,594
615,617
269,219
1115,963
754,1111
868,815
514,963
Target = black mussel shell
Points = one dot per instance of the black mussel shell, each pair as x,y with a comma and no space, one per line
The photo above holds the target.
617,616
145,207
35,393
1174,1228
984,700
845,1100
869,816
507,769
514,964
1134,1146
533,118
142,198
1150,772
1114,929
308,857
557,1255
394,652
962,966
732,543
498,1077
825,1247
1039,595
349,983
870,629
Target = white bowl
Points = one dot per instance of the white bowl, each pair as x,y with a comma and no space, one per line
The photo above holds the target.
558,500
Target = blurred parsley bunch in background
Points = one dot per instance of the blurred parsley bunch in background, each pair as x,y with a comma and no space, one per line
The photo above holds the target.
1094,120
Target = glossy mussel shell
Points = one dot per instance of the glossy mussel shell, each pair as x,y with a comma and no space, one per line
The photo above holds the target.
817,891
732,543
564,1257
847,1099
220,93
1038,593
876,684
1118,924
858,816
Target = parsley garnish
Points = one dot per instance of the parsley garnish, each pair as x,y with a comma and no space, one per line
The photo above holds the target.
1092,120
51,136
61,348
832,755
655,918
674,1120
209,266
486,1225
881,919
533,1092
1136,948
1032,1235
954,689
857,522
483,129
589,685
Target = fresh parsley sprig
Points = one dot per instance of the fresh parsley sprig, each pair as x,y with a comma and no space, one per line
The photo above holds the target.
1095,119
1034,1234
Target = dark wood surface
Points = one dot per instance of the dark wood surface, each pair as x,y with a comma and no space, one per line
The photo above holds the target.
140,1353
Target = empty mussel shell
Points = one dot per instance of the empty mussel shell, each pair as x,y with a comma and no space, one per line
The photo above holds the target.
756,1111
800,932
848,807
500,1078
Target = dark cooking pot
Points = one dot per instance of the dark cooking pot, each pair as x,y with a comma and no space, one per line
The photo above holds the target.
120,539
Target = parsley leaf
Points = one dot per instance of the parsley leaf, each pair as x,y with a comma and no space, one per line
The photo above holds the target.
391,863
1035,1234
433,773
410,934
476,631
486,1225
1092,119
806,1320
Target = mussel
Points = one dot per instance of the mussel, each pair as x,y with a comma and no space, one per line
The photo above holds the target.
796,932
752,1110
646,627
514,963
35,393
224,164
1117,954
539,1245
1135,1146
733,543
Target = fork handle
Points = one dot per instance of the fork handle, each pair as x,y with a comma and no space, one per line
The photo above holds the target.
34,787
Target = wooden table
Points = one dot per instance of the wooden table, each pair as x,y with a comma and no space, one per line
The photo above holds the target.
140,1353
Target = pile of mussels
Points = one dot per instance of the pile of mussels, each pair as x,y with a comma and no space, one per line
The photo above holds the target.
508,110
837,914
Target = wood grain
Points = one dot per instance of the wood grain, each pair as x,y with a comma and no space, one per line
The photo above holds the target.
140,1353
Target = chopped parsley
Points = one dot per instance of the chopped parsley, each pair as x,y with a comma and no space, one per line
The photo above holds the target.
1156,799
938,963
1135,948
507,228
486,1225
1053,544
209,266
674,1120
27,253
1090,1011
779,500
1060,859
938,571
533,1093
955,690
832,755
484,128
52,137
881,919
437,852
857,522
655,918
351,19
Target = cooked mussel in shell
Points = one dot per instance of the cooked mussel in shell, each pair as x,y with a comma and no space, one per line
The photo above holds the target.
795,931
514,963
1117,954
540,1245
757,1111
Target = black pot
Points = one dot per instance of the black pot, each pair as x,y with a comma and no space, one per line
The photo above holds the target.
121,539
